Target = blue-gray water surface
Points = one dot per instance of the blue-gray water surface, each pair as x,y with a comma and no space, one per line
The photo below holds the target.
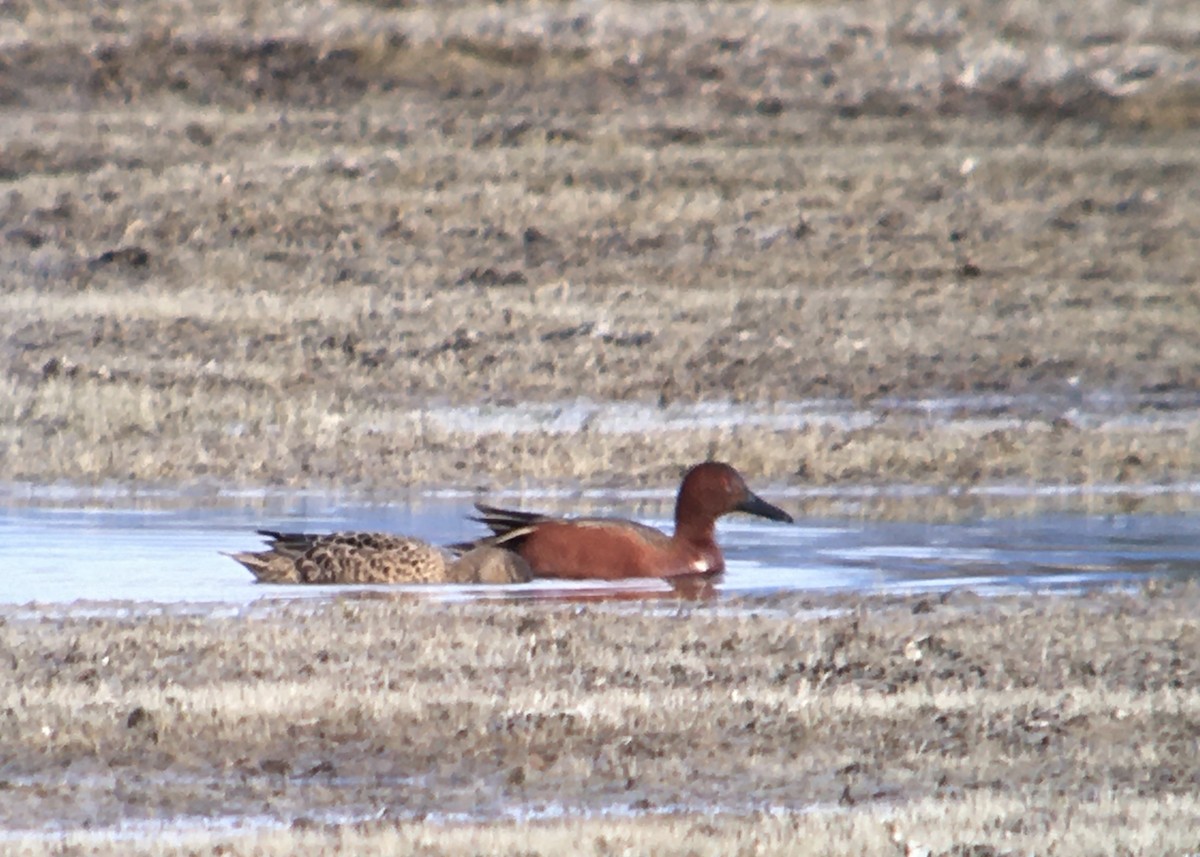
171,553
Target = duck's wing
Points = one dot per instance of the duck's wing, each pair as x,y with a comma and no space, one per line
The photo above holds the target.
502,521
511,528
298,543
372,558
599,548
635,530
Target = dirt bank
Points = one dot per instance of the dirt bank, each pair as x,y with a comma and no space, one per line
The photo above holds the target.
270,245
807,724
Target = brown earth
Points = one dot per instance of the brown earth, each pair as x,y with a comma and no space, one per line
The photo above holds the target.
280,243
289,243
803,725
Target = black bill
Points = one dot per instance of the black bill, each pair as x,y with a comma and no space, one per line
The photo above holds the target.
755,505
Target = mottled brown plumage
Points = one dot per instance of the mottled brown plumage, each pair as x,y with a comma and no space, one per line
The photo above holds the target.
375,558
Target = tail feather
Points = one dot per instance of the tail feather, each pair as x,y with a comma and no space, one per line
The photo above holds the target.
511,540
277,564
501,521
509,527
268,566
289,541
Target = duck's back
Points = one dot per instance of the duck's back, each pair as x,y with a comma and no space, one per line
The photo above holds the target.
346,558
371,558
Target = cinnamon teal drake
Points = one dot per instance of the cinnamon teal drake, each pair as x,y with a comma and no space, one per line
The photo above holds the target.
611,548
376,558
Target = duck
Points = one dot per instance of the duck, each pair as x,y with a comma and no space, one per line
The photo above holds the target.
588,548
362,557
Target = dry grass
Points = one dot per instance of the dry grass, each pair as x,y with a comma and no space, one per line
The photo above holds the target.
262,244
1106,825
116,425
1016,724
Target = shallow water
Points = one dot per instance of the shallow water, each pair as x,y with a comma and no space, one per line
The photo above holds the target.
1094,409
164,549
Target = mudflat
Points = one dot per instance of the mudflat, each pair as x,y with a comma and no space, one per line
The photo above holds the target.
388,245
940,724
393,245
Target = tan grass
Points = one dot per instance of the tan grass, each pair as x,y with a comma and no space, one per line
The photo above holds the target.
1015,724
230,419
1133,826
357,214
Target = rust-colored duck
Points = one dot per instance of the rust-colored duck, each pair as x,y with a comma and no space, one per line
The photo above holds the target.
375,558
611,548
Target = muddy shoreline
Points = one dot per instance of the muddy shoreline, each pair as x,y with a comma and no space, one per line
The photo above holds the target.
386,247
280,252
381,717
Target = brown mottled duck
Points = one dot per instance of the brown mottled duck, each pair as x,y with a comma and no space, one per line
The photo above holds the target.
376,558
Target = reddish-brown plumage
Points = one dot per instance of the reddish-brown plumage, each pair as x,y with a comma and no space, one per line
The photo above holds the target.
610,548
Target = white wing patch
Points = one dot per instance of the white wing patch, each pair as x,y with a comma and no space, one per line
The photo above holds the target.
700,566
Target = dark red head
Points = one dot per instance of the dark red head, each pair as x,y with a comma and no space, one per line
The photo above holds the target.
713,489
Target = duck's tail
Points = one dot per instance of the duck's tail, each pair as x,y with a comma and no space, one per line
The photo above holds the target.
268,566
509,527
293,543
